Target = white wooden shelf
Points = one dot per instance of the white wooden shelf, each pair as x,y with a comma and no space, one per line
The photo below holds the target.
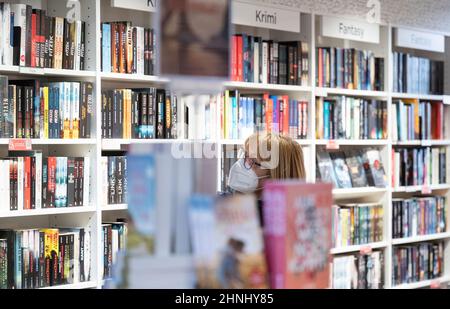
357,192
358,142
116,144
424,143
422,284
120,77
325,92
81,285
358,248
266,87
420,188
47,212
429,97
56,141
47,71
303,142
115,207
9,69
421,238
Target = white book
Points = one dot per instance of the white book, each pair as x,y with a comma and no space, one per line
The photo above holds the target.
77,61
87,254
394,123
38,182
396,183
3,192
20,20
435,166
86,181
356,119
350,129
140,32
76,257
104,176
256,62
20,175
265,61
343,119
58,46
75,114
7,44
101,265
115,245
67,107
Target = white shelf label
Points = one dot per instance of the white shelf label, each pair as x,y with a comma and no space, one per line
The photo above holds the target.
411,189
446,99
419,40
20,144
348,29
332,145
138,5
111,145
27,70
426,189
426,143
265,17
320,92
366,250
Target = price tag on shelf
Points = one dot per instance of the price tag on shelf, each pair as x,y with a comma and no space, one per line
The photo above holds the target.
446,99
426,189
426,143
435,284
332,145
35,71
411,189
111,145
366,250
20,144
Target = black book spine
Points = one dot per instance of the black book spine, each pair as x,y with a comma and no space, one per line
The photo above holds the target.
80,181
43,30
66,44
112,181
70,182
83,45
119,180
104,114
90,108
110,114
168,115
135,59
81,261
16,45
28,37
135,115
120,131
152,52
146,52
145,107
115,114
33,182
76,174
160,112
44,182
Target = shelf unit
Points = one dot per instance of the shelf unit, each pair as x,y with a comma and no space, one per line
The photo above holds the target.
96,11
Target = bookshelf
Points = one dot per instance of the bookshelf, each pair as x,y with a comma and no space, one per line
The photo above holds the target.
94,12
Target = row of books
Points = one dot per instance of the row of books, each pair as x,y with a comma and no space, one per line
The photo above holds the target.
242,115
420,166
113,241
351,169
419,216
139,113
416,263
356,224
34,182
46,110
361,271
350,118
414,120
349,68
229,157
127,49
114,180
417,75
31,38
40,258
256,60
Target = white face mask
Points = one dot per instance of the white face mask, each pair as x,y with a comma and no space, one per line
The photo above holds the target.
242,179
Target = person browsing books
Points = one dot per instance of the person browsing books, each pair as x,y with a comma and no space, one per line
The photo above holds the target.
266,156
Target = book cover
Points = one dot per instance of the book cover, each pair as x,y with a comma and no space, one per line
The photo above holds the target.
341,170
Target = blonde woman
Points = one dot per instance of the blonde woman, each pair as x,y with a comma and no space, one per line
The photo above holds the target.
266,156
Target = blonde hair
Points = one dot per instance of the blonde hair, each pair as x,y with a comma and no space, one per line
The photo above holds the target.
289,163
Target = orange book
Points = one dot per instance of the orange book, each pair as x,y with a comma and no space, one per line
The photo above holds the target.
285,124
297,229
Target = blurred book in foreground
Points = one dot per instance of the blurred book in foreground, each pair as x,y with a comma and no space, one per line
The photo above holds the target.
297,218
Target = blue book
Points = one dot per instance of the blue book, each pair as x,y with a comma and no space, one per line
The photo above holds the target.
326,120
106,48
234,113
18,259
241,117
251,113
275,114
245,53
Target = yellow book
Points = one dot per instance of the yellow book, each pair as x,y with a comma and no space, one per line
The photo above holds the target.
45,92
51,245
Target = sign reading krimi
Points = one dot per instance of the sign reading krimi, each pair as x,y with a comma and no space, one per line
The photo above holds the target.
139,5
348,29
419,40
265,17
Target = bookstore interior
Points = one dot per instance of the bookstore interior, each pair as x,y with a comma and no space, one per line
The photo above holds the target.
224,144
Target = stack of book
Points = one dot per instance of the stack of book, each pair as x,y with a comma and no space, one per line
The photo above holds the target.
351,169
32,109
362,271
417,262
256,60
46,257
128,49
420,166
243,115
417,75
139,113
114,180
419,216
357,224
34,182
31,38
350,118
349,69
113,241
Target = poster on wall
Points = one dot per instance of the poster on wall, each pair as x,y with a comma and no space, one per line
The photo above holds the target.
194,40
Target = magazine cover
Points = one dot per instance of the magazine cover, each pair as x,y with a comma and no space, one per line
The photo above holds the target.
227,242
297,234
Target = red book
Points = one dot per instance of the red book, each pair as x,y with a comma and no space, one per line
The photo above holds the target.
27,183
240,57
297,223
233,58
284,119
51,184
33,38
437,111
269,112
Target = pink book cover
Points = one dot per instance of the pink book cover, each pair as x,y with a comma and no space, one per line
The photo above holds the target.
298,234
